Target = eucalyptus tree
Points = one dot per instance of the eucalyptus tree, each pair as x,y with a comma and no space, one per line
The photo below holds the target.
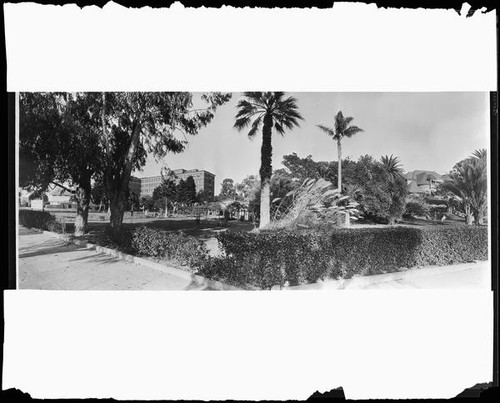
138,124
340,130
266,110
59,145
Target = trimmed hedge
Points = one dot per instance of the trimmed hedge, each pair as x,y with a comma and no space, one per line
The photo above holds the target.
173,246
267,259
151,242
42,220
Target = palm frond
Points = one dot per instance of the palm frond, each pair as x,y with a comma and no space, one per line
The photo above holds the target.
352,130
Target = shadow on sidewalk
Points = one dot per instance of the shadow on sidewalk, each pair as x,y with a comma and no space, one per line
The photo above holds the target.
40,250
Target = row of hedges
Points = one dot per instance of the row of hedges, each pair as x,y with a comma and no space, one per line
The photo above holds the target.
267,259
42,220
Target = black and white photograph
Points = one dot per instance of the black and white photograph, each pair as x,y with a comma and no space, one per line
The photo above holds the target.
329,172
253,190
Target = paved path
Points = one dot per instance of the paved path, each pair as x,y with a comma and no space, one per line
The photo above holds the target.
49,263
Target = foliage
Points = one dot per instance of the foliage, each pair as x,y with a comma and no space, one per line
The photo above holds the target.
392,166
268,258
42,220
173,246
313,203
246,188
118,238
305,168
381,195
468,181
147,203
227,190
416,208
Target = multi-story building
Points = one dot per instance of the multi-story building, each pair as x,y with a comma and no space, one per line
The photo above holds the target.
204,181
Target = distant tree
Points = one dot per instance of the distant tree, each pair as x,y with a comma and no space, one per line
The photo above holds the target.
98,195
227,190
340,130
469,182
304,168
165,195
133,201
245,188
146,203
186,191
204,196
267,110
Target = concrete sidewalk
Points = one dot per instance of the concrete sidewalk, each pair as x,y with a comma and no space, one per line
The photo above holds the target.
50,263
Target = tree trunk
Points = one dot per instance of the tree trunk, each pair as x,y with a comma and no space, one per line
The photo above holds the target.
339,151
265,204
82,210
266,170
117,207
117,183
469,217
166,207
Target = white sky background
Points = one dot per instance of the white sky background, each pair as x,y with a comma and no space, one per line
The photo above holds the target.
431,131
262,345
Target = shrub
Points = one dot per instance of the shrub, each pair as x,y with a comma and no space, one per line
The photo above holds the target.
416,208
39,219
269,258
116,238
174,246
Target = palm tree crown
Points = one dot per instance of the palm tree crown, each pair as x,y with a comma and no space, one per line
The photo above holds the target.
258,105
340,130
267,110
392,166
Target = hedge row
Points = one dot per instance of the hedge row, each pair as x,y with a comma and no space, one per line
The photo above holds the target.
267,259
39,219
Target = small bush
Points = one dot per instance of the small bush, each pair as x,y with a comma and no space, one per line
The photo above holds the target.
116,238
416,208
42,220
270,258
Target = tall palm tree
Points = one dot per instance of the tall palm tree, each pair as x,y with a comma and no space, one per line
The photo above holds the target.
267,110
340,130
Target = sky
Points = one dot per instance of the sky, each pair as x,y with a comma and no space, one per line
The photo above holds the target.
430,131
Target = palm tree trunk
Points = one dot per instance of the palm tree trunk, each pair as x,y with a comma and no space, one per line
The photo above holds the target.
265,173
339,151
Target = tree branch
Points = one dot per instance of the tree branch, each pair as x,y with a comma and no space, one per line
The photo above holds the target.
63,187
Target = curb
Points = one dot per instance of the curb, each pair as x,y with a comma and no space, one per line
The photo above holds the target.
139,261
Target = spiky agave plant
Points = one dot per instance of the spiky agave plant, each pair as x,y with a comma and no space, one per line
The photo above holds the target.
314,202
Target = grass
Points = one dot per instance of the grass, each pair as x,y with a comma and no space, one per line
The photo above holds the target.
206,229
